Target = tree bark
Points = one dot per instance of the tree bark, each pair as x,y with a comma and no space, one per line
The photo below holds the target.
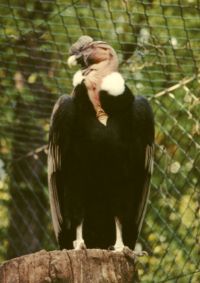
70,266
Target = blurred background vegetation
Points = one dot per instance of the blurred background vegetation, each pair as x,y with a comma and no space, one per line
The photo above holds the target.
158,43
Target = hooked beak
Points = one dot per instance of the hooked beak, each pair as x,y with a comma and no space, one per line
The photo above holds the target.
72,61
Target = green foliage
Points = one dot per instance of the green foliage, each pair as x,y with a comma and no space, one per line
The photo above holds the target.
158,46
4,198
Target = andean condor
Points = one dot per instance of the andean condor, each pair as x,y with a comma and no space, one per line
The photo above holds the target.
100,154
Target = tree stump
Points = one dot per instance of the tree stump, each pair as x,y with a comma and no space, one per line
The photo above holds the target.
70,266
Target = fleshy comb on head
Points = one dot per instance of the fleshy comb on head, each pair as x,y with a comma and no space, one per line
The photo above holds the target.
80,44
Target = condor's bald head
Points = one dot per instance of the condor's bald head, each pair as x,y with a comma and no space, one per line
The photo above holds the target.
86,52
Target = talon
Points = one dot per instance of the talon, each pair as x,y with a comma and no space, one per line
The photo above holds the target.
129,253
126,251
134,254
111,248
141,253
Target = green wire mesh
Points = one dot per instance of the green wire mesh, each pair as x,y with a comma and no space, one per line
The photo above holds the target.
158,43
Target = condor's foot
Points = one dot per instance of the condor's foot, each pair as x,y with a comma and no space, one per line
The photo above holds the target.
133,255
79,245
140,253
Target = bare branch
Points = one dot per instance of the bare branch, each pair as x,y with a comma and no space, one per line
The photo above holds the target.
181,83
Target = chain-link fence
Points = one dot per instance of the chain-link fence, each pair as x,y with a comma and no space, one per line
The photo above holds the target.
158,43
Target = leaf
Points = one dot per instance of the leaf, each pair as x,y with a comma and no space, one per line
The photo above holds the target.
32,78
175,167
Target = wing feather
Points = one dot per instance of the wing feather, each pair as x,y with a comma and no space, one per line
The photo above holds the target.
53,165
149,154
59,136
145,121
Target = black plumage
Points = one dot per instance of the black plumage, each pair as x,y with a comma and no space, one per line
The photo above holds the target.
99,173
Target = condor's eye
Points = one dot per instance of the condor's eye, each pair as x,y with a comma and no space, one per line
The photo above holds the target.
104,48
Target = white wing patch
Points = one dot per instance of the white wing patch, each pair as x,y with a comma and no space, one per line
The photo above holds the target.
149,168
54,163
149,158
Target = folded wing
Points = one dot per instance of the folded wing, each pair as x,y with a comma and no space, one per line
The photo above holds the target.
59,143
